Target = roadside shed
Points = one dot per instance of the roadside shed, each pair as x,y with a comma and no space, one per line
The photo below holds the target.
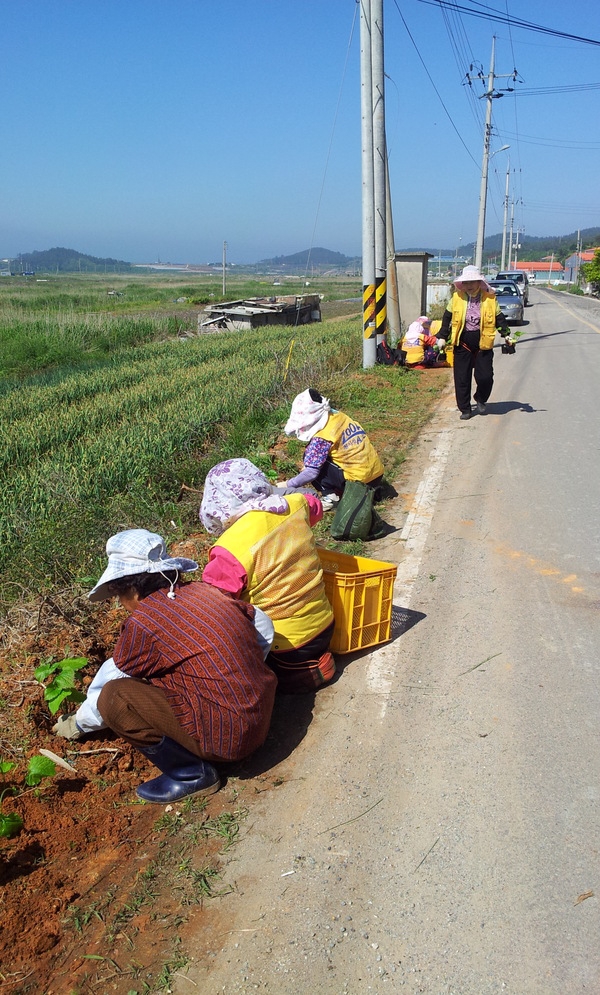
257,311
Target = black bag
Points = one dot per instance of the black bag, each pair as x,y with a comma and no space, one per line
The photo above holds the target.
386,356
355,517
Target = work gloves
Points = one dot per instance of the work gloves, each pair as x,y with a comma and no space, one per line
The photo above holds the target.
67,727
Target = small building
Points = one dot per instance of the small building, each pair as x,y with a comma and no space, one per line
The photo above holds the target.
575,261
257,311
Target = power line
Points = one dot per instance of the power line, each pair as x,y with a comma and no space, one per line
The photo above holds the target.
439,96
555,143
542,90
490,14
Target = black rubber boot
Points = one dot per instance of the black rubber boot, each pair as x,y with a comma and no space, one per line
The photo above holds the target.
183,773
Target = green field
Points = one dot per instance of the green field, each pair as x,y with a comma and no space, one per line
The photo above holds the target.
105,415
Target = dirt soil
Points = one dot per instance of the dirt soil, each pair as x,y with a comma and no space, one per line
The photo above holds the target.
97,887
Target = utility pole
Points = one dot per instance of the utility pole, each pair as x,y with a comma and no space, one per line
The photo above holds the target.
374,167
517,244
393,303
224,268
487,133
503,259
379,167
368,199
510,240
490,94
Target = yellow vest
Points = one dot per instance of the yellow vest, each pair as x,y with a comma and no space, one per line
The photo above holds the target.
414,353
489,310
350,448
284,572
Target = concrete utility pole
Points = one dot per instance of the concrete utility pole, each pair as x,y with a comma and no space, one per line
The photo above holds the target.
368,198
224,267
374,247
510,240
393,302
503,259
490,94
379,167
517,244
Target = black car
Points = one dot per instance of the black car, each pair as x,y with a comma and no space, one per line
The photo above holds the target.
510,300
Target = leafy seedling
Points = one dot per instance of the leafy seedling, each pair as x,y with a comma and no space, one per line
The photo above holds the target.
38,768
62,688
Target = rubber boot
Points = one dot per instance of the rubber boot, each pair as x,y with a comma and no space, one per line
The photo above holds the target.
183,773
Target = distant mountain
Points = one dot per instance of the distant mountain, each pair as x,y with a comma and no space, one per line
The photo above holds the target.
532,247
310,260
66,261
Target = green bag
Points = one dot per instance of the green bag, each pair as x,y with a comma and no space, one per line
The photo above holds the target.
355,517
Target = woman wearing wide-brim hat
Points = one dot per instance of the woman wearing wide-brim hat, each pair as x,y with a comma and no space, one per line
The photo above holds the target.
198,692
471,320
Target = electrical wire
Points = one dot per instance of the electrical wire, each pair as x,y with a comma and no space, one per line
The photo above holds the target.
439,96
554,143
328,156
543,90
490,14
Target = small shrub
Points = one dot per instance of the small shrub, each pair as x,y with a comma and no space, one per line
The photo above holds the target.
62,687
38,768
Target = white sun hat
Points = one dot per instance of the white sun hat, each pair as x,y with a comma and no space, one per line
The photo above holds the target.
470,274
137,551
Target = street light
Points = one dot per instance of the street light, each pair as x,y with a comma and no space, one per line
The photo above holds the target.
483,198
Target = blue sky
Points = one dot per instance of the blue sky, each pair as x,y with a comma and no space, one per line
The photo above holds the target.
146,129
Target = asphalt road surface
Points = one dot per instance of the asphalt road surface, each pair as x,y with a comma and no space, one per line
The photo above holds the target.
436,828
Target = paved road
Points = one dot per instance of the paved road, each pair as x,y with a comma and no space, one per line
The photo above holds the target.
437,827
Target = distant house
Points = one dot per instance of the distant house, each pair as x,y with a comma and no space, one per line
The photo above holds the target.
574,262
545,271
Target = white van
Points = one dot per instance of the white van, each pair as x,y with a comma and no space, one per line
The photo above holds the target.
520,278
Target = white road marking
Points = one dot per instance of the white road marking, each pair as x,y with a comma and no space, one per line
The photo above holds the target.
382,666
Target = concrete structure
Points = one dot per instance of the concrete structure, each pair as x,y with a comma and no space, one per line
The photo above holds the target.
411,274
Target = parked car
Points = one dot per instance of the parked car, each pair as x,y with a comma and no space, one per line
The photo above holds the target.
521,279
509,299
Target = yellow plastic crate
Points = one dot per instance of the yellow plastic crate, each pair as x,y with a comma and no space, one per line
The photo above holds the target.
360,591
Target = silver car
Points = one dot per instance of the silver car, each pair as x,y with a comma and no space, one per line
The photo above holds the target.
509,299
520,278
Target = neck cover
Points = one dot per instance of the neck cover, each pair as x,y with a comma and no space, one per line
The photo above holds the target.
307,416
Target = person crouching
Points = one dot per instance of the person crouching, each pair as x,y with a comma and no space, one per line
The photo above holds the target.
199,691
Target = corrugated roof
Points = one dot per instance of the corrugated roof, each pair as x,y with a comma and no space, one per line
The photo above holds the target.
536,267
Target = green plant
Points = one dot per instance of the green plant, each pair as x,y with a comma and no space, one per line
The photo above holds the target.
62,687
37,769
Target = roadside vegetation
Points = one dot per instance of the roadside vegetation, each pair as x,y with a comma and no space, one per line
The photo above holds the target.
111,416
107,417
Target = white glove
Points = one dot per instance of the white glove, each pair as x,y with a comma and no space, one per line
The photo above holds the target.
441,343
67,727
